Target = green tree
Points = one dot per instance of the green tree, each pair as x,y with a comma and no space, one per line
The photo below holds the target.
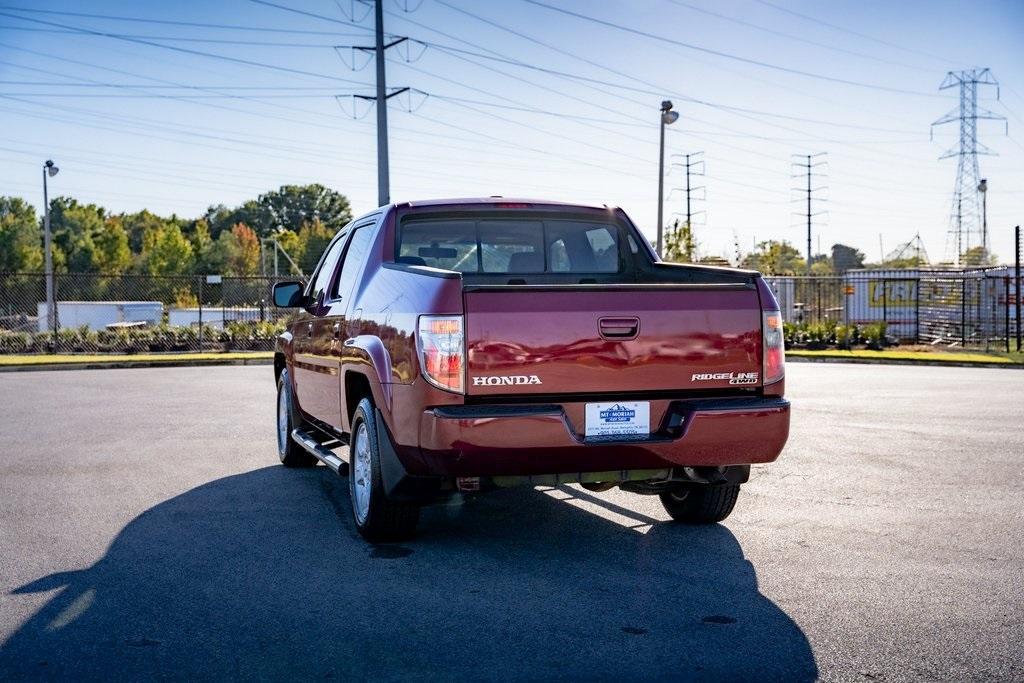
20,237
314,236
137,224
977,256
167,251
74,227
245,259
680,244
775,258
289,207
846,258
112,254
203,247
821,264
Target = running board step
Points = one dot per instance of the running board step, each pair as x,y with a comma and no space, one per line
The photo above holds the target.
320,452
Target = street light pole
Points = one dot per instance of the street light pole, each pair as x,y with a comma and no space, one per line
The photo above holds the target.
668,117
49,170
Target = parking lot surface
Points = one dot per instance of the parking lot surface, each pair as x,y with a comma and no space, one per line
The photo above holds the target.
146,531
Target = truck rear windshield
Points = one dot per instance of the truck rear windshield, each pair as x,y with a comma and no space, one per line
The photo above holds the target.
519,245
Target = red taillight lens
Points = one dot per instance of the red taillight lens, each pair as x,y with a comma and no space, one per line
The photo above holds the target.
774,351
440,342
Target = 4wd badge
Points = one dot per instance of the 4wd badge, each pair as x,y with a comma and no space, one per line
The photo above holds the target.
733,377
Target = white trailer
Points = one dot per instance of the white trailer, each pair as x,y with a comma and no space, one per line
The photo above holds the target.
97,315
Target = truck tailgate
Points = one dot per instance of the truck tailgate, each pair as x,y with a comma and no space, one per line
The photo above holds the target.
611,339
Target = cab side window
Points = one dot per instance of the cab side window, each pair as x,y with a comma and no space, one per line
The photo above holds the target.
355,256
325,271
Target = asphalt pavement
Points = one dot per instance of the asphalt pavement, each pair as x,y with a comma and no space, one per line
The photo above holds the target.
147,532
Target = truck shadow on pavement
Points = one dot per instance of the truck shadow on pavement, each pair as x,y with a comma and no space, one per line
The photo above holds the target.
262,576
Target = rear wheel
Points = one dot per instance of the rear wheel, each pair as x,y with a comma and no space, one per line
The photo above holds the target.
376,517
700,503
290,453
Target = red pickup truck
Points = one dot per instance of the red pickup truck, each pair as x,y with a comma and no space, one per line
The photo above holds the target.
463,345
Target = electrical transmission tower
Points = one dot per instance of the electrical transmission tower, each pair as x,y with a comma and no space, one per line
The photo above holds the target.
913,250
967,215
808,163
694,167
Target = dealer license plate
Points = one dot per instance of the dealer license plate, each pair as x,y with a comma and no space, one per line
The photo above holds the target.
621,418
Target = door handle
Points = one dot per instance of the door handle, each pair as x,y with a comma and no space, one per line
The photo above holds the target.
618,328
337,330
309,329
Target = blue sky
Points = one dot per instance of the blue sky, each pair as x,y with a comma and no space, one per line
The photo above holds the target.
141,120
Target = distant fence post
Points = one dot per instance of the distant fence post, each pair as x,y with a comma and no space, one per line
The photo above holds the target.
1016,294
885,302
917,310
200,298
963,310
1006,299
52,315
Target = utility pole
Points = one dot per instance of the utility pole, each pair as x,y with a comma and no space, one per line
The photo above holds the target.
379,48
383,175
668,117
690,163
966,211
809,165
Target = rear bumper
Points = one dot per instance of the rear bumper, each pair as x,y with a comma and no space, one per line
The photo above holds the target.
546,439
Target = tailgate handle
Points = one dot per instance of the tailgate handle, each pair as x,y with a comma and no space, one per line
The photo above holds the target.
618,328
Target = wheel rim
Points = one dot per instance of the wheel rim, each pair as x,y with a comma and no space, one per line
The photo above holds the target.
680,495
282,419
361,481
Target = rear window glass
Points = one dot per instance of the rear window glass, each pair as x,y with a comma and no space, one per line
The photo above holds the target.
469,245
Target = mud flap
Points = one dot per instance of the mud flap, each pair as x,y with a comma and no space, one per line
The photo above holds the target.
399,485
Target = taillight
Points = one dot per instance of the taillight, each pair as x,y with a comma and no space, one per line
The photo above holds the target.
774,351
440,345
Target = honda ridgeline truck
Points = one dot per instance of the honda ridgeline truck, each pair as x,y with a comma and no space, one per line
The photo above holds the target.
464,345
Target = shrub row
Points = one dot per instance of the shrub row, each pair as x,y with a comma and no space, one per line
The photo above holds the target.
239,335
825,334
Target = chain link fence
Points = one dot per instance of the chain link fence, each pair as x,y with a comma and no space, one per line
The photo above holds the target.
965,308
137,313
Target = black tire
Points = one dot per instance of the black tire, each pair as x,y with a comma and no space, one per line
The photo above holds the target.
700,503
290,453
377,519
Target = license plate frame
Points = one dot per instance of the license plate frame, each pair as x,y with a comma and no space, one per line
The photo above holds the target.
617,420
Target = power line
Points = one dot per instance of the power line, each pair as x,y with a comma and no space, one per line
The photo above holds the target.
726,55
790,36
653,91
190,39
169,22
200,53
843,29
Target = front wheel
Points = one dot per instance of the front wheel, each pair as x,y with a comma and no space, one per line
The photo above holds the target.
700,503
290,453
376,517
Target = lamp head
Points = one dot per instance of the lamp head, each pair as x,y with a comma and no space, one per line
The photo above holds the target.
983,185
51,170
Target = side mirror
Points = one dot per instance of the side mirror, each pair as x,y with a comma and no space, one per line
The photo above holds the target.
287,294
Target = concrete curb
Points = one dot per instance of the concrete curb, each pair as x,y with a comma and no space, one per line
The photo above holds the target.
122,364
903,361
